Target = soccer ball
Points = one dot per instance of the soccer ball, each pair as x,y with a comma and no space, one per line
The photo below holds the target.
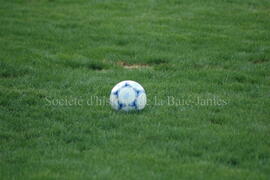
128,96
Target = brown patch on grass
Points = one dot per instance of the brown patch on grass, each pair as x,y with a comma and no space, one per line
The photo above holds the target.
260,61
132,66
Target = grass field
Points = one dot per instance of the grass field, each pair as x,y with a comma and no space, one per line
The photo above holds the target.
58,51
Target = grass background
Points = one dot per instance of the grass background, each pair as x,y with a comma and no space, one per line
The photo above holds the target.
64,49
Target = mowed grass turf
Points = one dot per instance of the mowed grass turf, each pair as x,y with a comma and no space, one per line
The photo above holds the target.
58,51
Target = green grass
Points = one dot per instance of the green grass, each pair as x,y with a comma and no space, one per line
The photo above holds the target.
66,49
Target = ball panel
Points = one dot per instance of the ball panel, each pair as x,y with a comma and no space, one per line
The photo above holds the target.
141,101
118,86
114,101
126,95
135,85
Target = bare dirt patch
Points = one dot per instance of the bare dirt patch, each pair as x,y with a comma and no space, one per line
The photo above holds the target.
260,61
132,66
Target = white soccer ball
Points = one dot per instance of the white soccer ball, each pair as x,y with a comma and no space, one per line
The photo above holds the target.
128,96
